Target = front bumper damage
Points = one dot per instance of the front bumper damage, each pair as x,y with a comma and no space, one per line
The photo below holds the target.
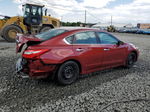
35,68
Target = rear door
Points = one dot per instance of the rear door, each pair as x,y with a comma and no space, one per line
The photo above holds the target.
87,50
113,54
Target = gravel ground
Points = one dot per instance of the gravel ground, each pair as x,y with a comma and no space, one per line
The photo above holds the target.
113,90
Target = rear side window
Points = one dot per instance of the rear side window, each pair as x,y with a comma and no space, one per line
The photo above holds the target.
106,38
85,38
70,39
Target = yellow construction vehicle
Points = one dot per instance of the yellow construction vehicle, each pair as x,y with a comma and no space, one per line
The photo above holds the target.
33,21
111,28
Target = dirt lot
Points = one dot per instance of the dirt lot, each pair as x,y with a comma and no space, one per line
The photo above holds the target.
114,90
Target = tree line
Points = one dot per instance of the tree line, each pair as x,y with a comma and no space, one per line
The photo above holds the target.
71,23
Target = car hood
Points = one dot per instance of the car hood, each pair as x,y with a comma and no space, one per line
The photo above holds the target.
27,40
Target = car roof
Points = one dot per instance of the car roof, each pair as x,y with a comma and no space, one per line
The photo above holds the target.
78,28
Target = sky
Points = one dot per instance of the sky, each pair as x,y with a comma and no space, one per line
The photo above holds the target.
122,11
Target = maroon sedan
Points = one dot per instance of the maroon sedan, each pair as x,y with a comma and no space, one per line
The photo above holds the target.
66,53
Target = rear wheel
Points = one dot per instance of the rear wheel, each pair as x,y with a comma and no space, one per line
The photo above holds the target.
131,60
68,73
45,28
10,33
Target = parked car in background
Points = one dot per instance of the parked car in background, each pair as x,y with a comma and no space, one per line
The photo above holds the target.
128,30
143,31
133,30
100,27
122,30
66,53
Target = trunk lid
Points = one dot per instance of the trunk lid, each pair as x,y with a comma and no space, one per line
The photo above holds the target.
26,40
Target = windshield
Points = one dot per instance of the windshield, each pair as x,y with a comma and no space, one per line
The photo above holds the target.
49,34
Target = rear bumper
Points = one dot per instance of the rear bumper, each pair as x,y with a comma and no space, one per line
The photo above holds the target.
37,69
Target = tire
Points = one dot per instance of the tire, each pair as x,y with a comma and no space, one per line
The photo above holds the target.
68,73
45,28
9,33
131,59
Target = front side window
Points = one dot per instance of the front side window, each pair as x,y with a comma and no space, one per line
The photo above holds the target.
106,38
85,38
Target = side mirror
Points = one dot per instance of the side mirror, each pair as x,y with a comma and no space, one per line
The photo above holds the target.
120,43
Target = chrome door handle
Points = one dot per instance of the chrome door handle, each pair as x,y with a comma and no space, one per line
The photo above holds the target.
106,49
79,49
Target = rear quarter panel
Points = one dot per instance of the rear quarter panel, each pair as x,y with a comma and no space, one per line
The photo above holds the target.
57,55
58,52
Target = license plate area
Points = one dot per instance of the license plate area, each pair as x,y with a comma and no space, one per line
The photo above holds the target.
20,63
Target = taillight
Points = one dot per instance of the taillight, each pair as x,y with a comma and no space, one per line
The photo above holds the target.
34,53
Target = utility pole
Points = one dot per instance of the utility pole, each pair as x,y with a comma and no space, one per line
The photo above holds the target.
85,17
111,20
61,20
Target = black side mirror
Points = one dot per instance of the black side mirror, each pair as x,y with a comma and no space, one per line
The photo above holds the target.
120,43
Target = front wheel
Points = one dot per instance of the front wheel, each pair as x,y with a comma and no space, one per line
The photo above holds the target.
131,59
68,73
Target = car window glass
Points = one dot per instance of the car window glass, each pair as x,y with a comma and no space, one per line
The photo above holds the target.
106,38
69,39
85,38
50,33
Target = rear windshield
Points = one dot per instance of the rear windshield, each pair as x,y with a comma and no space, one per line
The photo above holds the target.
50,33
